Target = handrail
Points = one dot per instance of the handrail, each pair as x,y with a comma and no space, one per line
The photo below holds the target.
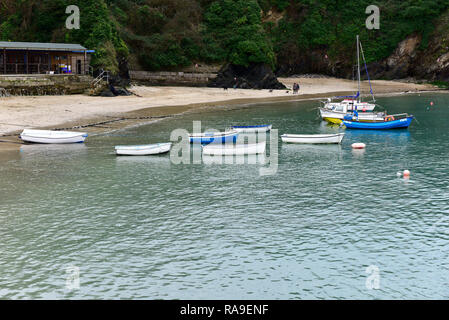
104,75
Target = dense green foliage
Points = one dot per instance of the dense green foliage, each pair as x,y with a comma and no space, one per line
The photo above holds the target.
441,84
169,34
333,24
236,26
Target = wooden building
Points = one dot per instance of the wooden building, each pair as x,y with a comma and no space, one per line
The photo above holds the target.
43,58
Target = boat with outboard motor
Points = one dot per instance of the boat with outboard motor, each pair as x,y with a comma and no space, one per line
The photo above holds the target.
396,121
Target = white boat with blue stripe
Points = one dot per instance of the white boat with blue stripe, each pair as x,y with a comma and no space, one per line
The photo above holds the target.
52,136
214,137
250,129
143,150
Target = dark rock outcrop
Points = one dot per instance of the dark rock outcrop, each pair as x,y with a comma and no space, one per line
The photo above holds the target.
399,64
256,76
307,62
113,91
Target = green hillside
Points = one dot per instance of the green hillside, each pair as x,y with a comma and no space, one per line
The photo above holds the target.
170,34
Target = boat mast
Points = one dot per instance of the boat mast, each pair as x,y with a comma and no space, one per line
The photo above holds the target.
358,70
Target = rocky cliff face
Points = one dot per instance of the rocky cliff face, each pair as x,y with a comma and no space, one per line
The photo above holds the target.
401,63
410,59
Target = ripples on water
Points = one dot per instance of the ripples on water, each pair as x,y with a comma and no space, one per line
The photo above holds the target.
145,228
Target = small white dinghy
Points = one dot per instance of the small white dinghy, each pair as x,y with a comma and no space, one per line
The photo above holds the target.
234,149
313,138
143,150
51,136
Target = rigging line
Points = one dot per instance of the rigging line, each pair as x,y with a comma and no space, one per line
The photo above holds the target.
366,69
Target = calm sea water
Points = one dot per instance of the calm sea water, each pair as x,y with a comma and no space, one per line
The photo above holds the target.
143,227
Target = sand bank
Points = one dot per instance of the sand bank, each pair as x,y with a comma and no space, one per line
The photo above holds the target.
17,113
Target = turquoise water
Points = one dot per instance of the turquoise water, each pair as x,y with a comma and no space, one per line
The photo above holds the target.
143,227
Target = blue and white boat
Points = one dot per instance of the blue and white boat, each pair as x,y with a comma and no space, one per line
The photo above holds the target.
390,122
214,137
250,129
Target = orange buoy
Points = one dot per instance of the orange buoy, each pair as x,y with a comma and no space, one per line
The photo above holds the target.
358,145
431,103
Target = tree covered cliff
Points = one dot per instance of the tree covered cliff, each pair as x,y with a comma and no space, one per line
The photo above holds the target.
292,36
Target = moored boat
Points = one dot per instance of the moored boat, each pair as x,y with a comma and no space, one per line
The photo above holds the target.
334,112
214,137
337,115
250,129
401,121
143,150
313,138
52,136
234,149
350,105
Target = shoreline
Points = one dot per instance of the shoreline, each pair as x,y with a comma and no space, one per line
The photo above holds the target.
97,115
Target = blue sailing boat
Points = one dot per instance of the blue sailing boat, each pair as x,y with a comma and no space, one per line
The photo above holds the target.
391,122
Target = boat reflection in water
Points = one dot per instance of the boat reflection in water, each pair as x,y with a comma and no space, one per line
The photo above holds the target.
312,150
256,159
53,150
358,153
155,160
397,138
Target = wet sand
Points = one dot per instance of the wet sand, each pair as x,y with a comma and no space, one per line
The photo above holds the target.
99,114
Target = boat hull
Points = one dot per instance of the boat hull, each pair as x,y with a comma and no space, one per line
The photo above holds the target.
394,124
337,117
234,149
143,150
52,137
252,129
220,137
359,106
313,138
333,120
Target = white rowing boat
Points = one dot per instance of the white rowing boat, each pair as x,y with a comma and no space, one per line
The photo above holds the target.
143,150
251,129
234,149
50,136
313,138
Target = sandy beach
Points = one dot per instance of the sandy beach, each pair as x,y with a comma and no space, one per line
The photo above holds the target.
19,112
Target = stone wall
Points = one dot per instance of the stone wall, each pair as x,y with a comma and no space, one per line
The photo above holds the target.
43,84
172,78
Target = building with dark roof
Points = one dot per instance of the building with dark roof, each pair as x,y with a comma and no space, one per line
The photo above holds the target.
43,58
